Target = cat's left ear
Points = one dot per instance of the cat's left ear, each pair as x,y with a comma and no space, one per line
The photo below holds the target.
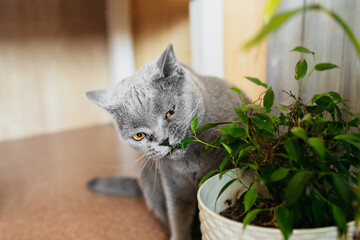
167,62
99,97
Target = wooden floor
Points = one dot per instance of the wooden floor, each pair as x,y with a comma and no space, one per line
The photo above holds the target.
43,194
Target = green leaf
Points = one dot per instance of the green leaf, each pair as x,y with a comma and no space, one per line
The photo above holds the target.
250,198
269,99
227,148
282,107
285,219
185,142
307,117
299,132
340,218
279,19
235,89
224,162
325,66
274,23
234,131
206,177
300,69
211,125
270,8
318,145
263,121
250,217
279,174
241,114
318,209
223,172
293,150
194,123
296,187
257,108
257,81
266,173
349,138
342,189
302,49
252,166
225,187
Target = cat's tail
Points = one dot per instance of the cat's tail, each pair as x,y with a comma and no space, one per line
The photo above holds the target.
115,186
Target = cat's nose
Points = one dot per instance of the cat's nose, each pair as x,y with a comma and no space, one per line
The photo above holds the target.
165,142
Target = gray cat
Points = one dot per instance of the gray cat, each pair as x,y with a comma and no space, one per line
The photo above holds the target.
152,111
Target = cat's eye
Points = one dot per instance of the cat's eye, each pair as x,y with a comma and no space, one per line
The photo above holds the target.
169,113
139,136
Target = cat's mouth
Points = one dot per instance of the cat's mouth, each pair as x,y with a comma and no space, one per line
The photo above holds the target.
173,149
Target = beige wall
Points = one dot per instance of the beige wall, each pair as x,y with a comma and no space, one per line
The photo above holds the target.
157,23
242,19
51,52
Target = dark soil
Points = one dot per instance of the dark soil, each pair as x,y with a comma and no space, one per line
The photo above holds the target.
237,213
265,218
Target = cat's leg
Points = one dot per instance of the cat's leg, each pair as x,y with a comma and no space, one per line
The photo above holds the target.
181,204
115,186
151,186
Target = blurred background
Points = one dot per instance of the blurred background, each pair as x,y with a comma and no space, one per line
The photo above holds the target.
52,52
52,139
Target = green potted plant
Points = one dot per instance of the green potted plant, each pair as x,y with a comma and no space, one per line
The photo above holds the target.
291,170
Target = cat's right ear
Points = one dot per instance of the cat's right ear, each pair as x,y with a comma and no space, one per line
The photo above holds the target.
99,97
167,62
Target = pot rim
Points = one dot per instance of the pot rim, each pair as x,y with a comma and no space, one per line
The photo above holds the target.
253,227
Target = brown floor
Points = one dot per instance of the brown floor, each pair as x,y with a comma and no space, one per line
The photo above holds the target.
43,193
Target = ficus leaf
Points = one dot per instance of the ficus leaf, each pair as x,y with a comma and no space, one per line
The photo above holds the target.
224,162
211,125
350,138
325,66
227,148
317,208
270,8
318,145
257,81
250,198
185,142
250,217
269,99
299,132
284,218
279,174
225,187
194,123
341,188
257,108
295,187
293,150
233,131
206,177
340,218
300,69
302,50
241,114
235,89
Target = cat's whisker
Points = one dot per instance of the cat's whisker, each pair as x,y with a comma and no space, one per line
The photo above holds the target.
153,190
135,162
145,162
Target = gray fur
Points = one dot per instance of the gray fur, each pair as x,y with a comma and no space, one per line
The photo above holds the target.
139,104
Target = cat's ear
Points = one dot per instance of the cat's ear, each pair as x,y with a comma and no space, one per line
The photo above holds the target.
167,62
99,97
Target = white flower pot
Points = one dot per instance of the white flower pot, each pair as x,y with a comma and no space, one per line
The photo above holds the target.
216,227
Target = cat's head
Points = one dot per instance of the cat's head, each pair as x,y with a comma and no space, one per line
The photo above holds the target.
153,108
